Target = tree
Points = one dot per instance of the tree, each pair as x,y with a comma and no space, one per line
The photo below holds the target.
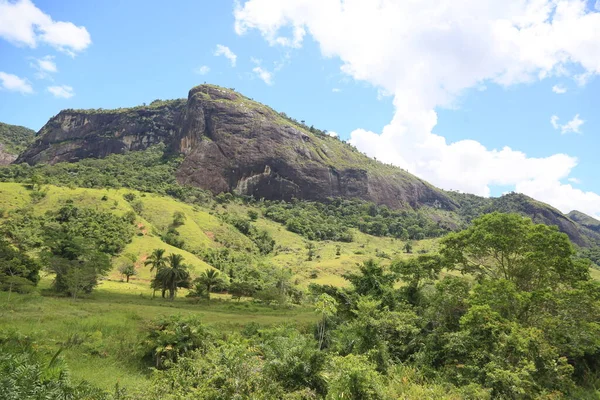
508,246
353,377
311,250
371,280
178,218
18,271
408,247
239,289
173,275
75,262
157,261
253,215
127,270
207,280
415,272
326,307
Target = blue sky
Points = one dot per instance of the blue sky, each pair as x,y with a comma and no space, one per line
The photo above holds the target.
443,100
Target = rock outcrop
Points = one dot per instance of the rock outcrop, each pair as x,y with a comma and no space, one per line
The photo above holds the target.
73,135
233,144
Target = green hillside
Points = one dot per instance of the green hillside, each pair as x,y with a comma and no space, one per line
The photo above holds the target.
15,138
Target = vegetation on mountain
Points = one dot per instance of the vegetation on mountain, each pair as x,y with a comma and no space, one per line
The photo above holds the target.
14,139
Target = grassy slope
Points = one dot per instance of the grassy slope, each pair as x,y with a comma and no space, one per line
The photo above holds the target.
109,321
15,138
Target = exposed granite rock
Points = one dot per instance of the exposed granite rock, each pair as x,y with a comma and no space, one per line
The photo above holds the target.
233,144
76,134
6,157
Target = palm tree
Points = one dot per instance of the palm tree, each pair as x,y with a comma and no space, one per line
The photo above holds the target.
173,275
209,279
157,260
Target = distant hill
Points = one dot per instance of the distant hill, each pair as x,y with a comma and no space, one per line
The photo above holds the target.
230,143
585,220
13,140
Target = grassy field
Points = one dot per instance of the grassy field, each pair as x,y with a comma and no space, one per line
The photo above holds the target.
100,333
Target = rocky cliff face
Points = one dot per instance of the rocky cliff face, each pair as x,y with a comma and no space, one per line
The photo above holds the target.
76,134
233,144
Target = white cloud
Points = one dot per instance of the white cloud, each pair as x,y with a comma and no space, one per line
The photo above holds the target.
559,89
13,83
23,24
426,55
564,197
227,53
570,127
263,74
203,70
44,66
574,180
336,90
332,134
63,91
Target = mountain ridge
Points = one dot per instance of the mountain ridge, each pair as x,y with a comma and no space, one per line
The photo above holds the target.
231,143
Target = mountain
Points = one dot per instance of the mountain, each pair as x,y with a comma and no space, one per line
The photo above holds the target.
13,140
230,143
233,144
585,220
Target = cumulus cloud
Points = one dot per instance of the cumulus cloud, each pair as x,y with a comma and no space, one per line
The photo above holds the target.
13,83
573,126
203,70
426,55
559,89
332,134
23,24
574,180
63,91
263,74
227,53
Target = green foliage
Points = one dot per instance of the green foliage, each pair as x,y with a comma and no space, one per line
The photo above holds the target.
172,276
15,138
353,377
18,271
206,282
178,218
332,220
508,246
108,232
76,263
170,338
24,376
262,239
127,270
147,171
